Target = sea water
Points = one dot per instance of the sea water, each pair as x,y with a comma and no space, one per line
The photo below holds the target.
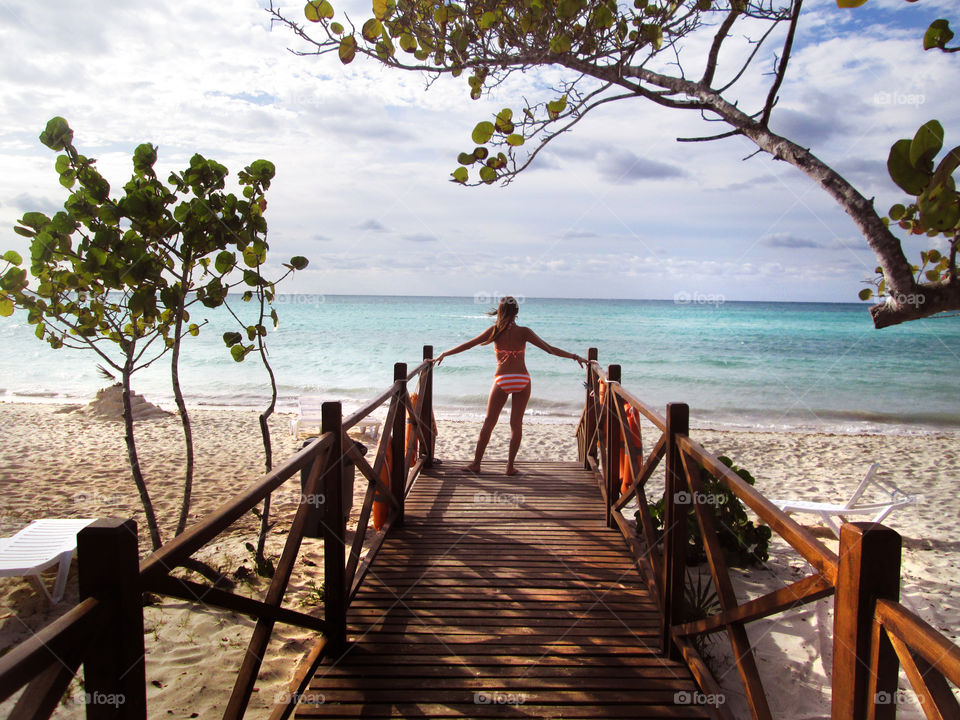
751,365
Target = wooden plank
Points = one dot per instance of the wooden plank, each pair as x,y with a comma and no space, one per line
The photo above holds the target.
477,594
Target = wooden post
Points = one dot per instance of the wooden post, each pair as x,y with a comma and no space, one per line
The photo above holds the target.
676,506
590,413
426,408
398,445
869,569
614,442
114,674
334,568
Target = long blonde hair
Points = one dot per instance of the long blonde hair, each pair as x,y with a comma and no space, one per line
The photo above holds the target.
506,313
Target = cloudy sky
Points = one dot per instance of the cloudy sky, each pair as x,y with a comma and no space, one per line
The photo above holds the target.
615,208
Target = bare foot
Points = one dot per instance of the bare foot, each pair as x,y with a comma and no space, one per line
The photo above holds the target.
472,467
511,470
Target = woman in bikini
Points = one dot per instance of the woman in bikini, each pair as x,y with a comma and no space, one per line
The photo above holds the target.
509,341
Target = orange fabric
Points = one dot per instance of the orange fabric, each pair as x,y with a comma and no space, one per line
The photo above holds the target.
626,470
381,508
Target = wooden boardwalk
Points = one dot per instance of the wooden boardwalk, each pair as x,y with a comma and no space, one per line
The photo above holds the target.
502,597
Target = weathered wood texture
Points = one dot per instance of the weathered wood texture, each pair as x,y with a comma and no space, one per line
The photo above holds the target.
503,597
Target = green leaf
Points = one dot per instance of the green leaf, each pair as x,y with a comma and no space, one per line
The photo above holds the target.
555,107
336,28
925,145
903,172
299,262
225,261
231,338
865,294
371,29
482,132
35,220
6,306
897,211
460,175
408,43
57,135
515,140
937,35
488,174
348,49
850,3
487,20
380,9
238,352
317,10
466,159
194,329
12,257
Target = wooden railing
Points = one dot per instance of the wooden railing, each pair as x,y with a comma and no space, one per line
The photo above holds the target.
104,632
873,633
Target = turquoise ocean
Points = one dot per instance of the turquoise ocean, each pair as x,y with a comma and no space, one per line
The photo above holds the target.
744,365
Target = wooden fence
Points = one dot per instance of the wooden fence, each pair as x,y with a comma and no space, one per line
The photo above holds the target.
104,632
873,633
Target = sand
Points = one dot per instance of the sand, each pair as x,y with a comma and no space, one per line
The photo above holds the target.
57,461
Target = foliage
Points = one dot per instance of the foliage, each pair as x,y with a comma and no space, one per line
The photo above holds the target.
612,52
700,601
934,208
742,542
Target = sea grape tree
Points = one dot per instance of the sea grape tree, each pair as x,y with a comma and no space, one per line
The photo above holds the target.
119,276
615,52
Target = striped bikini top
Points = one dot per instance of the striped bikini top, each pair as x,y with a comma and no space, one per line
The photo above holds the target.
504,355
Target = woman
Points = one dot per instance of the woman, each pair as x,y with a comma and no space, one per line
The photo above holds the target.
512,378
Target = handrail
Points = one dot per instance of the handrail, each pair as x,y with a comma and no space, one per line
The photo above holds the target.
37,652
102,631
873,633
800,539
176,551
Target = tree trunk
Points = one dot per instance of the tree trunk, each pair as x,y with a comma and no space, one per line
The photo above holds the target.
267,445
141,484
182,409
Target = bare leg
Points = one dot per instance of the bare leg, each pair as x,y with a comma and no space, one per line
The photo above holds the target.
495,404
517,407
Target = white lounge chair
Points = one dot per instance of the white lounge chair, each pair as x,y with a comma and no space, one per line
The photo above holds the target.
893,498
309,421
40,545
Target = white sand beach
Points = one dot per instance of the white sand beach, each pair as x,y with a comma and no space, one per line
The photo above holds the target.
58,462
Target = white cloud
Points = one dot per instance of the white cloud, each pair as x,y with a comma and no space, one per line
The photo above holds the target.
614,208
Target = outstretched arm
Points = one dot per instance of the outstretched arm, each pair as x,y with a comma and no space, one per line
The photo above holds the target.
535,339
482,337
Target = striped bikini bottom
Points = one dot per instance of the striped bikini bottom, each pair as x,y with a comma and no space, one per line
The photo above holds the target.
512,382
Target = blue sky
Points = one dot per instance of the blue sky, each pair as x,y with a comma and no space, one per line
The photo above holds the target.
616,208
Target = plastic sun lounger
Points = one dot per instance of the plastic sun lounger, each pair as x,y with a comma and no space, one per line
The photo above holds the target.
308,423
895,498
40,545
